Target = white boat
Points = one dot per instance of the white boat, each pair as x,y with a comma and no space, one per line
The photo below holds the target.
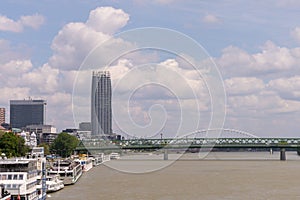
98,159
106,158
114,156
20,178
53,183
85,162
69,171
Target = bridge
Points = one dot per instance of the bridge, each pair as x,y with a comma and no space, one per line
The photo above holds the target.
241,140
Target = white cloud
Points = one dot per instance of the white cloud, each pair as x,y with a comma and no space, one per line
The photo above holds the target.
107,20
12,71
7,24
255,105
272,58
9,52
42,80
33,21
72,44
296,34
167,74
9,93
288,88
243,85
76,40
14,67
211,19
59,104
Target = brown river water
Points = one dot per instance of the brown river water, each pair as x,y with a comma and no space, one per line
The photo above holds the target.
221,175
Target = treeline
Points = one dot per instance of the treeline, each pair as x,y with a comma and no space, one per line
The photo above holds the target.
13,145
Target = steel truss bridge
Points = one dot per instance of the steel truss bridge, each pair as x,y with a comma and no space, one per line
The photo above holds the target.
227,138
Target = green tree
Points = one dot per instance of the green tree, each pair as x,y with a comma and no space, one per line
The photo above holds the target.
46,148
12,145
64,145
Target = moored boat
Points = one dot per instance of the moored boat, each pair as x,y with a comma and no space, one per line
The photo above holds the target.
20,178
54,183
98,159
69,171
114,156
85,161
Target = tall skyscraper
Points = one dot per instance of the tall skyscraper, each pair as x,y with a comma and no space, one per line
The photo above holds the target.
101,114
27,112
2,115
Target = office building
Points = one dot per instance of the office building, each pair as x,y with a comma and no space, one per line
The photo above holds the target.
85,126
2,116
101,113
27,112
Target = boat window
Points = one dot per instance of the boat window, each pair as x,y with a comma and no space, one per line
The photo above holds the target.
15,177
9,177
3,177
21,177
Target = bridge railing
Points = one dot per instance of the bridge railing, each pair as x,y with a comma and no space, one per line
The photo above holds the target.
192,142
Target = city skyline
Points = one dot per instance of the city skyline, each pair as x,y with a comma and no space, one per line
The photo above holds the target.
255,46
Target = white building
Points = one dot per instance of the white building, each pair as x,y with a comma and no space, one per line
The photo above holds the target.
30,139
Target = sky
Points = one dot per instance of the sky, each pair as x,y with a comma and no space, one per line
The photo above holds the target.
48,50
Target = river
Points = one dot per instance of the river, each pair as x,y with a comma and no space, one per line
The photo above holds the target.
221,175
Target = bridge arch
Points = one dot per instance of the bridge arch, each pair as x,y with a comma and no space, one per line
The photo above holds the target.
221,133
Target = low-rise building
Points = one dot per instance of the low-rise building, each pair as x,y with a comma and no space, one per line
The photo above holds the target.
44,133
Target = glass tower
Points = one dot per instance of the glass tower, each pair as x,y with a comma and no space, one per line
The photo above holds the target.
101,114
27,112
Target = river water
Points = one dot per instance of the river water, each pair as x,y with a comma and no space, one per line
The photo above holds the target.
221,175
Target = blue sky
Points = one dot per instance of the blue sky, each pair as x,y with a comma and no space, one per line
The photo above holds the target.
254,43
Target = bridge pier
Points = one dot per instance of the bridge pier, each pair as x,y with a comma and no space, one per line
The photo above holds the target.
166,154
282,154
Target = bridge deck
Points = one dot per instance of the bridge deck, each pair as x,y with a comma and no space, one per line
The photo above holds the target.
185,143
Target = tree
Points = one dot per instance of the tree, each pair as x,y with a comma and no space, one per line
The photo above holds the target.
64,145
46,148
12,145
